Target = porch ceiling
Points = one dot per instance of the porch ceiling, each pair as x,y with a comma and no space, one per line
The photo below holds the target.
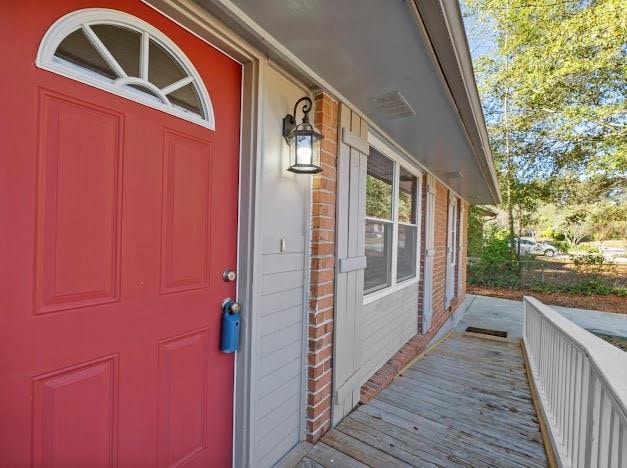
364,49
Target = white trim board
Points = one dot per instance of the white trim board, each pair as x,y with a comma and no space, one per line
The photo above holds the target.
215,34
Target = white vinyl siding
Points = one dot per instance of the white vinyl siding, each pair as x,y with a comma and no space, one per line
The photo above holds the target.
279,321
388,324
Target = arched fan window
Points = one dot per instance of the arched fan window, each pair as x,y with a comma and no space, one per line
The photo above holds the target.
124,55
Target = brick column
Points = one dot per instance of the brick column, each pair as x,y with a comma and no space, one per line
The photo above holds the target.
322,280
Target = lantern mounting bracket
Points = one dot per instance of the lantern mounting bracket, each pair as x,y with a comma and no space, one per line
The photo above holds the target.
289,121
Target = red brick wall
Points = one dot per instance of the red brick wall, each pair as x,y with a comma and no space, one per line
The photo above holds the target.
321,298
418,343
439,261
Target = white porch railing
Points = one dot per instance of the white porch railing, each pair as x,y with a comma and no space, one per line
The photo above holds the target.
582,385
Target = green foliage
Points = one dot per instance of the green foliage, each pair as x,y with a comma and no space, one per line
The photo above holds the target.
496,246
379,198
554,92
593,265
495,265
494,274
562,67
610,221
575,223
475,232
586,249
561,245
590,274
405,201
589,287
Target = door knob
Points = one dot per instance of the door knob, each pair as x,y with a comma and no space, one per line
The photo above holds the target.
229,276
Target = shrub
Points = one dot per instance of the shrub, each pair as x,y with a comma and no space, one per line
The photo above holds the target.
496,246
495,266
561,245
592,264
589,287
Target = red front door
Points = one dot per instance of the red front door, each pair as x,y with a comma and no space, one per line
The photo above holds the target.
117,221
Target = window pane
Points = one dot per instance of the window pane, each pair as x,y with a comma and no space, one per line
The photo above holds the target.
163,70
123,44
379,186
378,254
187,98
406,261
77,49
143,89
407,190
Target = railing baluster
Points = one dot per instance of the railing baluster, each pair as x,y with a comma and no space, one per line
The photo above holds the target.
569,400
564,407
586,414
594,424
555,373
622,451
614,440
570,393
576,415
605,424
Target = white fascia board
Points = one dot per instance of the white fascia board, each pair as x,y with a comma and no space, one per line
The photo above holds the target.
455,27
449,19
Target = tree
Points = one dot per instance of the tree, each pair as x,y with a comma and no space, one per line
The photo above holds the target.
610,220
576,225
554,94
379,199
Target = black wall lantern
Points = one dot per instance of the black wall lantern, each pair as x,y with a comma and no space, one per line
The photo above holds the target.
303,140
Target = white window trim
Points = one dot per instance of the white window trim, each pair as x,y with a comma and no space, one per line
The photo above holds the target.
389,152
452,247
83,19
460,246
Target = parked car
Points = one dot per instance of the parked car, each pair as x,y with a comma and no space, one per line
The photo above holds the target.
612,252
531,247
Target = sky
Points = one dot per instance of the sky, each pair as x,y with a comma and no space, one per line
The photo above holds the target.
480,33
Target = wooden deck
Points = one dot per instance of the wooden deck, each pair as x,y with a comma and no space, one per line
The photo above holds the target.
466,403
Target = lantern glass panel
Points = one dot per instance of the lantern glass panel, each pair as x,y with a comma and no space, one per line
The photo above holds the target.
304,149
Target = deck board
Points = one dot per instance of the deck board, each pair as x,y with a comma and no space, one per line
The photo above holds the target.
467,403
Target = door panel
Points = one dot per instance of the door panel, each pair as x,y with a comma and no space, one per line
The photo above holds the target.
74,415
186,213
78,228
183,380
117,222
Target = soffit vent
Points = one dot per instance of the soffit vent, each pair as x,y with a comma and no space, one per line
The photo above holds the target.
453,175
393,105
